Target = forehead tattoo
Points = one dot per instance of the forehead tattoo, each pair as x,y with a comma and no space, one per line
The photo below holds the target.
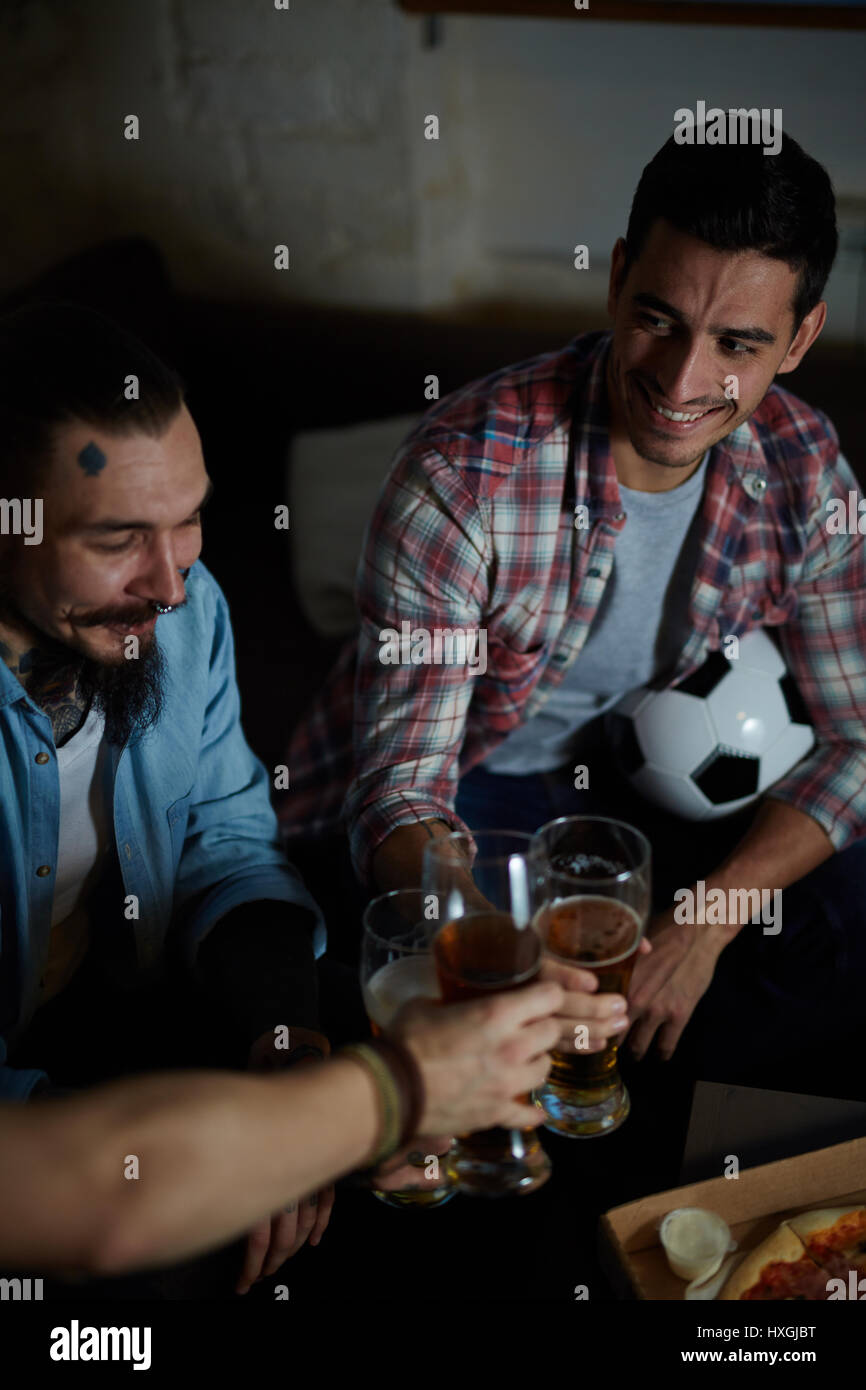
92,459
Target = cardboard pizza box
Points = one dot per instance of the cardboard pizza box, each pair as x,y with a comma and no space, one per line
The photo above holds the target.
753,1204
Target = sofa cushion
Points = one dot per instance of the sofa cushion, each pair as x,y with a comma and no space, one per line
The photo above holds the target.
334,477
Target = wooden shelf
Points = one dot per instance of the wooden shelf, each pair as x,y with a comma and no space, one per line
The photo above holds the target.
789,16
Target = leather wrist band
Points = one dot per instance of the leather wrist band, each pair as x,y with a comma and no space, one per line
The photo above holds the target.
401,1092
304,1052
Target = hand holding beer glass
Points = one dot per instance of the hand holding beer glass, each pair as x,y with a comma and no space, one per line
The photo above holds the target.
487,944
396,966
598,907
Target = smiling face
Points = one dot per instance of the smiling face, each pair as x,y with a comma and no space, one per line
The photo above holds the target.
686,318
121,520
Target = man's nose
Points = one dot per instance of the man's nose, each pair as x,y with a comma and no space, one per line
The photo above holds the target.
687,374
162,580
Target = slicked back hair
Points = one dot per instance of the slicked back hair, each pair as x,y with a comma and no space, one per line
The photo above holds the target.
62,362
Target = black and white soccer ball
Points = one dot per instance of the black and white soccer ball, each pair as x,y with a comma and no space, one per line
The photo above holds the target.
715,742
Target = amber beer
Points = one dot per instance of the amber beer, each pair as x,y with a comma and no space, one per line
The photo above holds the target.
601,935
476,955
484,953
599,898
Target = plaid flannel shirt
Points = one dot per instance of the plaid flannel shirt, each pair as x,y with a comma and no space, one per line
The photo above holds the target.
475,529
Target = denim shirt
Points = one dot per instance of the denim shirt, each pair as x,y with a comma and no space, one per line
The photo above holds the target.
194,828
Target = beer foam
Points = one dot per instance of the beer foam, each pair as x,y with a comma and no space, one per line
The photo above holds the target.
409,977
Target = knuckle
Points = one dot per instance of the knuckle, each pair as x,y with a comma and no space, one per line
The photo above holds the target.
509,1052
489,1011
551,1033
496,1007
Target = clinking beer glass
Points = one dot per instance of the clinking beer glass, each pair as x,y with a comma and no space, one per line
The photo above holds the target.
488,889
396,966
596,913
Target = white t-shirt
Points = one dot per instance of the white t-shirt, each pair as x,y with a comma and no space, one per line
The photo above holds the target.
83,839
639,629
84,821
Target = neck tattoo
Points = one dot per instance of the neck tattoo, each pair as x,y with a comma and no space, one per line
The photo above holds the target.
60,698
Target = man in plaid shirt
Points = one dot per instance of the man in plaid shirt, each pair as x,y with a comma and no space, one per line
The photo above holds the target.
504,518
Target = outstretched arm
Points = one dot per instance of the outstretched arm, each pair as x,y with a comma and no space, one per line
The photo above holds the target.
216,1153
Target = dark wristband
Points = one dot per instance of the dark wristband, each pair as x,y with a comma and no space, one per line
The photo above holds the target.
302,1052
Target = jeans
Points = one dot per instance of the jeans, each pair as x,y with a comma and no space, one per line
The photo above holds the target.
782,1010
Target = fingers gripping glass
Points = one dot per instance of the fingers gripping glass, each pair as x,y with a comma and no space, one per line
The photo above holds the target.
396,966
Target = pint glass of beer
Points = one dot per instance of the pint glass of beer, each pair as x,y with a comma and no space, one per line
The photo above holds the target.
396,966
488,894
598,906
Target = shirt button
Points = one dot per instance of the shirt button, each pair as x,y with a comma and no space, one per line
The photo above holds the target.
593,573
42,758
754,485
43,871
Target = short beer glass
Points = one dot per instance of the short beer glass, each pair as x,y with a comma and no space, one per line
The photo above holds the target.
598,906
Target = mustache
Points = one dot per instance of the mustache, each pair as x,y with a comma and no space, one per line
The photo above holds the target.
692,407
130,617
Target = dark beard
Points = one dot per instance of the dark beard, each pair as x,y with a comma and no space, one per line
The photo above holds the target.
129,695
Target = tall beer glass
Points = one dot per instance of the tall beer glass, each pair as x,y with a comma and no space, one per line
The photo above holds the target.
487,944
396,966
600,895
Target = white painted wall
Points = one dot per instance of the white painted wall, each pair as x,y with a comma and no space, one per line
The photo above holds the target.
566,114
306,127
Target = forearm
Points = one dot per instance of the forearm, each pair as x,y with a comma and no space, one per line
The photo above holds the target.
781,845
216,1154
398,860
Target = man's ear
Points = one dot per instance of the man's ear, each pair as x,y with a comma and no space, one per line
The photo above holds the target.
804,337
617,276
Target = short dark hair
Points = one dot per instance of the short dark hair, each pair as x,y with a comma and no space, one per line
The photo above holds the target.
736,198
61,362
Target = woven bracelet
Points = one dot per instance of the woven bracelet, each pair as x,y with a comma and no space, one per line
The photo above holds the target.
412,1090
389,1096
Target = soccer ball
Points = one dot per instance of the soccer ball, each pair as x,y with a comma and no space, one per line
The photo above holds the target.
719,739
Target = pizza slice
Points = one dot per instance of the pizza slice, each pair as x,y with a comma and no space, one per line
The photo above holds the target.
835,1238
796,1261
779,1268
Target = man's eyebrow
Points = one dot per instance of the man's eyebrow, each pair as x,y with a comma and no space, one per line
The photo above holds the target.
749,334
112,524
